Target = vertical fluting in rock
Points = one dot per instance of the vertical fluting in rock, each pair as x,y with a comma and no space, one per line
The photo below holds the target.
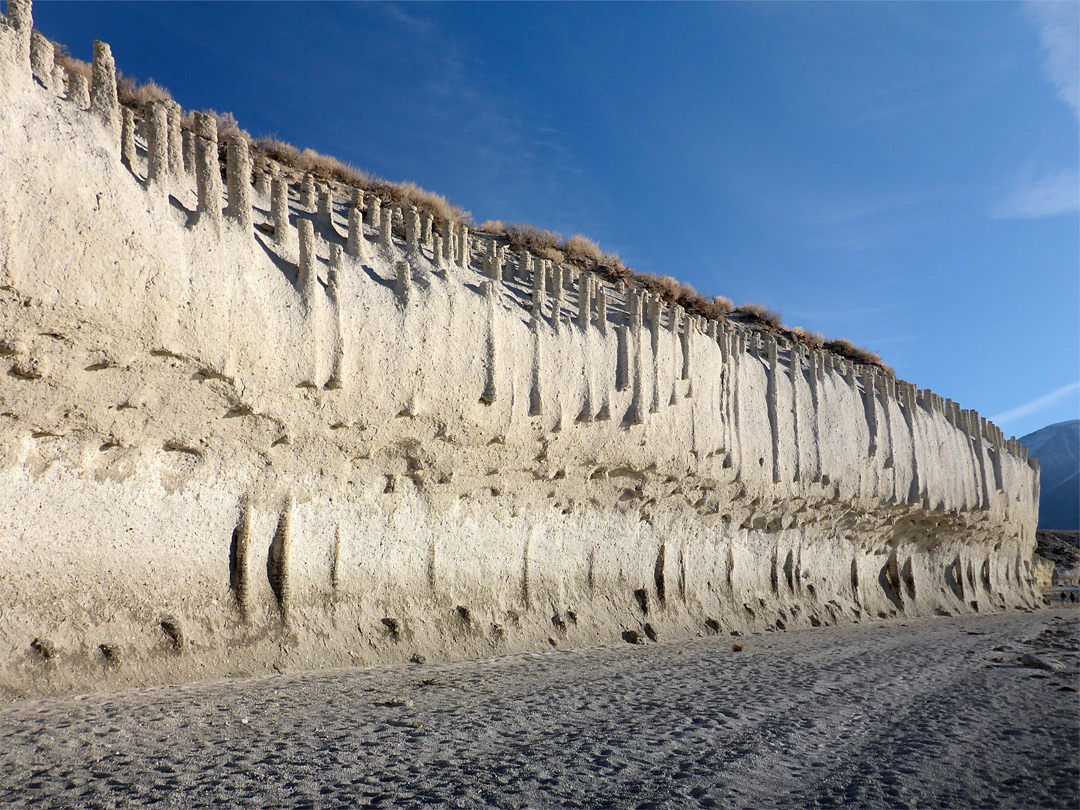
491,343
240,561
536,394
339,370
279,558
638,406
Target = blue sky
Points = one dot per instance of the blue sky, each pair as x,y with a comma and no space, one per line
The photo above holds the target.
904,175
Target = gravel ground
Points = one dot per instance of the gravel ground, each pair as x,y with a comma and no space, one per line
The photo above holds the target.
933,713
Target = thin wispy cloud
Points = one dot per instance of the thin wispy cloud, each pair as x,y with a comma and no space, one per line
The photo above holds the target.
1050,193
1059,35
859,222
849,313
1039,197
1035,405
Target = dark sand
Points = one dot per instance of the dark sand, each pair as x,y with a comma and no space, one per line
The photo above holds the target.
930,713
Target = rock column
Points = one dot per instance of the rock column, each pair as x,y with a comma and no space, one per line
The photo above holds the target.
539,290
356,246
308,278
127,136
103,101
374,211
403,282
463,245
42,58
307,193
157,146
239,176
78,91
326,205
207,169
445,229
584,302
386,220
556,295
412,232
189,151
21,18
176,139
279,208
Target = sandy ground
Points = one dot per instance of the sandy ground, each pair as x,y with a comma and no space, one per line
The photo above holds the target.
929,713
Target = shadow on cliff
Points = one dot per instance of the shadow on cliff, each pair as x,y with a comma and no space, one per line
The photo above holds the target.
288,269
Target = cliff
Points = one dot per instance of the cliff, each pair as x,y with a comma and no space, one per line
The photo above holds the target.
1057,449
246,423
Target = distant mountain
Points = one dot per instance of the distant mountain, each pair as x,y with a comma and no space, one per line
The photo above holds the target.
1057,447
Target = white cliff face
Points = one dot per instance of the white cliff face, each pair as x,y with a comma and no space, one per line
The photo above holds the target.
238,434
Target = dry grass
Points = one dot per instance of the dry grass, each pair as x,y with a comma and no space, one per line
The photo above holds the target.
583,249
411,194
863,357
718,308
671,290
585,254
327,168
132,93
544,244
674,293
762,315
279,150
129,90
71,64
812,340
330,168
227,124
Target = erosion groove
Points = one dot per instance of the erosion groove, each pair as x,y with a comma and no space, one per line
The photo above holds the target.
436,446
